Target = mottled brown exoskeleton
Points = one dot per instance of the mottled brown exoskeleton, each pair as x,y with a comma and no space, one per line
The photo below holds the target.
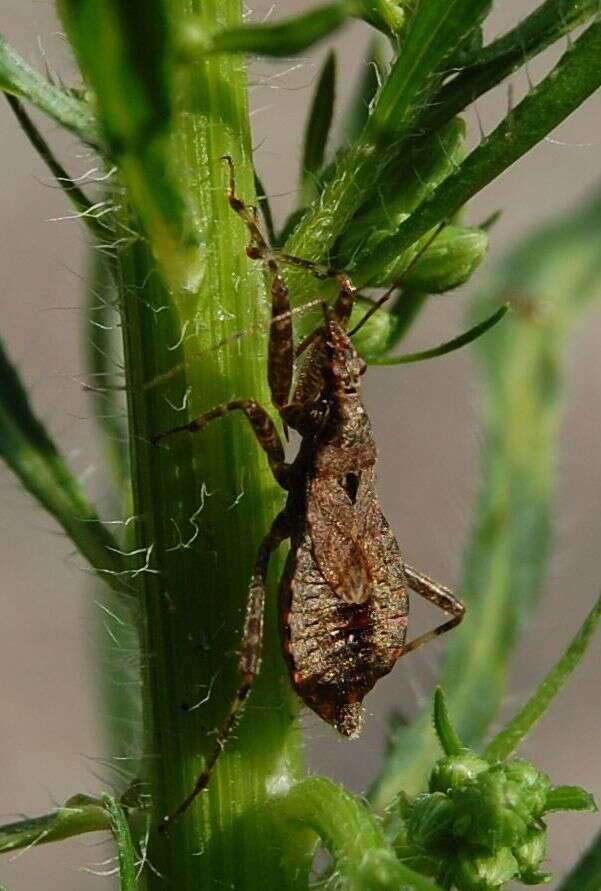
344,592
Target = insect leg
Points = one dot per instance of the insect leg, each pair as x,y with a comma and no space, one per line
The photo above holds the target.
441,597
280,362
262,425
250,658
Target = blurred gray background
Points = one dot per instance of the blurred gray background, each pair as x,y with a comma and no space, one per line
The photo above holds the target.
49,736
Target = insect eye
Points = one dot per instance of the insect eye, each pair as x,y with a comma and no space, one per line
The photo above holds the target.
362,366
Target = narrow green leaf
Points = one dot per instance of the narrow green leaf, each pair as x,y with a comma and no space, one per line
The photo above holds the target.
586,875
446,733
76,196
521,724
547,24
32,455
285,38
448,347
124,50
365,92
569,798
79,815
265,205
19,79
362,857
317,129
575,77
125,846
555,273
436,30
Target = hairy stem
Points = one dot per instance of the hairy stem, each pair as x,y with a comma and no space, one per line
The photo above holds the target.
203,503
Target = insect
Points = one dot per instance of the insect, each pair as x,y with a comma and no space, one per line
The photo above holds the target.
344,592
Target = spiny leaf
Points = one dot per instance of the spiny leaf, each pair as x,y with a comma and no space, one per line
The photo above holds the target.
547,24
318,128
576,76
19,79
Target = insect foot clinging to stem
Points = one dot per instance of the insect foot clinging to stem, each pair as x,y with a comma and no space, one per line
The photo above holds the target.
343,598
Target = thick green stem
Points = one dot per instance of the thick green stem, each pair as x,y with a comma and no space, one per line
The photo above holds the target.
203,503
363,859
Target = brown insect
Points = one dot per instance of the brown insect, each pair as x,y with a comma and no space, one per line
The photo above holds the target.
344,592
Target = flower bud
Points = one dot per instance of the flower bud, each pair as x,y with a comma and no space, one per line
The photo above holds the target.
454,771
477,871
530,854
430,820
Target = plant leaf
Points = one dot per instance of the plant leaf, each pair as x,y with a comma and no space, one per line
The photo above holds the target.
365,92
122,49
78,815
436,30
19,79
30,452
318,129
446,733
285,38
558,268
575,77
521,724
448,347
77,198
569,798
547,24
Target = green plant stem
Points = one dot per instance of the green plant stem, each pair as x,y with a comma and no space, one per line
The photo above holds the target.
79,815
204,503
521,724
362,858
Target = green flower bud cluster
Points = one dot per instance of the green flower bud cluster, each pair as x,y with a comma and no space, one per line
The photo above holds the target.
480,825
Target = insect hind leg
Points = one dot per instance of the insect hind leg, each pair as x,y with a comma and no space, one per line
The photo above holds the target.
441,597
249,663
